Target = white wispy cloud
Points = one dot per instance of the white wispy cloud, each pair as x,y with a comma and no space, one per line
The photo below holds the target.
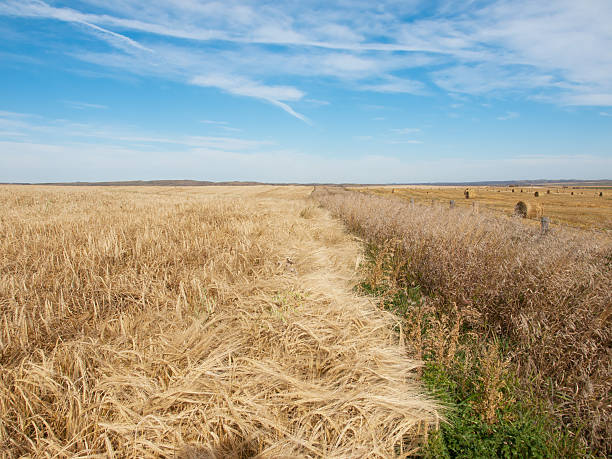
475,48
213,122
276,95
35,128
84,105
482,79
244,87
116,39
8,134
392,84
508,116
7,114
405,131
596,99
317,102
221,125
399,142
40,9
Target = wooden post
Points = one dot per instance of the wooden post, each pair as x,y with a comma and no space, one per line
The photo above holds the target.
452,204
544,221
475,207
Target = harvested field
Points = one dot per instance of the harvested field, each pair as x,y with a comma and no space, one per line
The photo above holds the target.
216,322
585,208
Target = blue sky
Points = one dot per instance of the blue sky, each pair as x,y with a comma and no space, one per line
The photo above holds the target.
301,91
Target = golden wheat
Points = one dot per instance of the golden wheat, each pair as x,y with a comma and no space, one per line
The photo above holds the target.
217,322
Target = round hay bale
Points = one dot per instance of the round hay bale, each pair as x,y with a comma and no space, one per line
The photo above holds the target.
520,209
528,210
534,210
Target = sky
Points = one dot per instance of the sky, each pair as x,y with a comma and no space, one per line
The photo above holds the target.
305,91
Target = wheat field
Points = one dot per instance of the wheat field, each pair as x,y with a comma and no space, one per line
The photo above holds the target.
577,206
197,323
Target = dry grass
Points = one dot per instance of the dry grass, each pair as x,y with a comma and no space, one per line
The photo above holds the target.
213,322
548,296
584,209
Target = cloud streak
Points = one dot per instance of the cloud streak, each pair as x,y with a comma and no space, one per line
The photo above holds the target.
40,9
406,131
276,95
472,49
508,116
34,128
84,105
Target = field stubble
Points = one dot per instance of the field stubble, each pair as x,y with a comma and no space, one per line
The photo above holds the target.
580,207
218,322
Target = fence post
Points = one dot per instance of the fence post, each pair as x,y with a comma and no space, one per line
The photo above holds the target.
452,204
475,207
545,222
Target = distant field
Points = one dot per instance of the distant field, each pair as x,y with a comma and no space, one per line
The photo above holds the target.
584,208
